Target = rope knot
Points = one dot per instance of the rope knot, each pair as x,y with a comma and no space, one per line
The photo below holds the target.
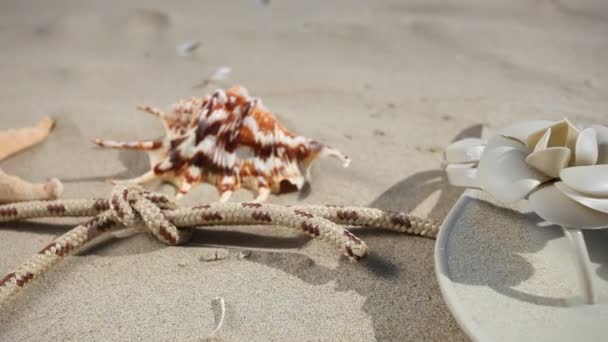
132,206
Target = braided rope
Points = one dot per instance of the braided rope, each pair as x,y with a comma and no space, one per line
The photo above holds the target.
155,213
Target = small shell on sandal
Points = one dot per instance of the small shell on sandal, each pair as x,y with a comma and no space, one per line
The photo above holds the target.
602,141
504,173
464,175
563,133
549,161
595,203
591,179
521,131
467,150
556,207
543,142
586,148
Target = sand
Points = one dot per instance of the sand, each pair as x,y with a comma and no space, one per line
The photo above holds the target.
390,83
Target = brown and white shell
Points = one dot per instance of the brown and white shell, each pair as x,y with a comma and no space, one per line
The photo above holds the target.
230,140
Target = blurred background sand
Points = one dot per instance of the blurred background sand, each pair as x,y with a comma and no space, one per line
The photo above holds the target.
390,83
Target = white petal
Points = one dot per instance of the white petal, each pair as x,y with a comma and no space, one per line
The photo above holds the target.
602,133
599,204
465,151
464,175
586,148
602,140
553,206
563,133
591,180
503,171
543,143
521,131
550,161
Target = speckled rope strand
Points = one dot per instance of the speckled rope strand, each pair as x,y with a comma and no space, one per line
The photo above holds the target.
155,213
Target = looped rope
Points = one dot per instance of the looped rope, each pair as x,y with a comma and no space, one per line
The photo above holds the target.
136,208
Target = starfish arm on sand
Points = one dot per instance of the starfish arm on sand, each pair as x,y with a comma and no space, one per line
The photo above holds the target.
15,189
132,206
15,140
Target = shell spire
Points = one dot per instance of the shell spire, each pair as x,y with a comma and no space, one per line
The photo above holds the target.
230,140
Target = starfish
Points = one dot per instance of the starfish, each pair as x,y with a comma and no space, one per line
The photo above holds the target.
13,188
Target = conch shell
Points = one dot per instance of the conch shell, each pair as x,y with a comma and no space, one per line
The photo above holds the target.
230,140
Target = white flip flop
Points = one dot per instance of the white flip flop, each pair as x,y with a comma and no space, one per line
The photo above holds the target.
505,271
505,278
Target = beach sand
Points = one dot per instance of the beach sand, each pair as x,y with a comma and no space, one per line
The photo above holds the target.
390,83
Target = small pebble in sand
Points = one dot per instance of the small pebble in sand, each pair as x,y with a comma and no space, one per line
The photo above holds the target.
379,133
244,254
213,254
429,149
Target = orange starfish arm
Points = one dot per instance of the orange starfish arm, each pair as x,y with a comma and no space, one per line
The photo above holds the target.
15,140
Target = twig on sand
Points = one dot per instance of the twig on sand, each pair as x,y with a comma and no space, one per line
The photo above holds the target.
220,321
187,48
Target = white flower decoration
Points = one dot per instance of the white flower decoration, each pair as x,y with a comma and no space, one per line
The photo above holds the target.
561,170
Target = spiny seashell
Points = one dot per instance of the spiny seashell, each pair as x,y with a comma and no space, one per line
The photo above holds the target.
230,140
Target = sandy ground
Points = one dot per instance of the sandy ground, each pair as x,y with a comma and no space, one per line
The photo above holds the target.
388,82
